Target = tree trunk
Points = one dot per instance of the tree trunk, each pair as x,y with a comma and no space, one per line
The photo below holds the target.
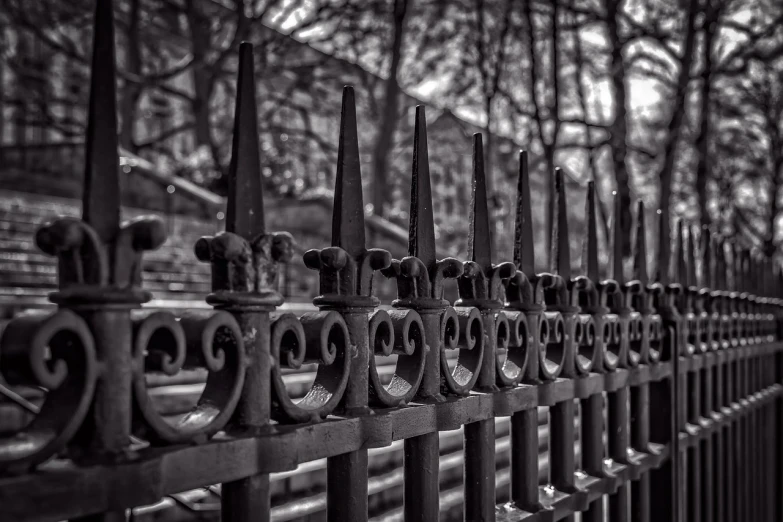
202,83
389,117
770,245
619,127
703,138
673,136
131,91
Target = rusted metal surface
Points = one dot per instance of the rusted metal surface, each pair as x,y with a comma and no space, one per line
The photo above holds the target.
686,365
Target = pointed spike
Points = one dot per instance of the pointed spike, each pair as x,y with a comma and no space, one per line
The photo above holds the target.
691,258
722,279
742,269
618,274
731,267
769,282
479,238
678,267
664,248
590,253
561,248
421,232
640,259
101,198
348,213
780,282
245,207
524,244
708,258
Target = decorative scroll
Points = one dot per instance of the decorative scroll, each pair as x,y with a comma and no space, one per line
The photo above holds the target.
552,345
316,337
638,349
612,340
165,344
54,351
86,265
461,329
512,347
585,342
401,333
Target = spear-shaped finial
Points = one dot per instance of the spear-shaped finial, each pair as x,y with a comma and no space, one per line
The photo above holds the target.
421,233
618,272
679,268
560,257
744,268
479,237
101,198
524,244
731,267
590,250
709,259
348,213
664,248
245,207
640,257
722,265
691,259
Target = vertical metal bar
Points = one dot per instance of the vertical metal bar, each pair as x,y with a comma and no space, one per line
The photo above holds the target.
346,477
640,395
480,470
619,442
347,474
248,499
692,402
480,441
640,439
107,428
421,496
664,396
730,438
524,460
562,440
592,423
350,292
479,483
524,424
562,437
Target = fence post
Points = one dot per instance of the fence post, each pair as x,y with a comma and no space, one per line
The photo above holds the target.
562,435
100,265
346,271
423,292
479,287
525,293
618,422
591,407
643,303
664,427
244,261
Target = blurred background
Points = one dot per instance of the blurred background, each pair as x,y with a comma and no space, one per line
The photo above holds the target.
674,102
678,103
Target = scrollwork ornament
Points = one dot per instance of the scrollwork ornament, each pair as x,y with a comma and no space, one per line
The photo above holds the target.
54,351
315,337
462,330
401,333
165,344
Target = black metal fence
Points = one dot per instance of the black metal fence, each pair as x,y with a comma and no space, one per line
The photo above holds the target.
688,365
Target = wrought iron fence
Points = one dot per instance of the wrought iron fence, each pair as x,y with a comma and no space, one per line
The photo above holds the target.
688,364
